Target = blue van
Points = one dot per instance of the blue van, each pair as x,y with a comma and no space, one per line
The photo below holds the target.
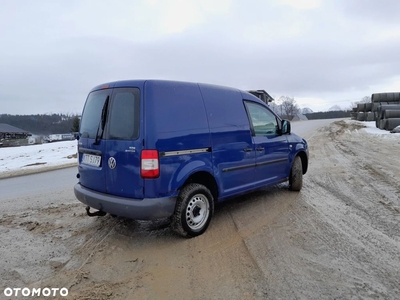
152,149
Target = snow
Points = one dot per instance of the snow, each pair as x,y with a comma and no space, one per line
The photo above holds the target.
371,128
58,154
376,132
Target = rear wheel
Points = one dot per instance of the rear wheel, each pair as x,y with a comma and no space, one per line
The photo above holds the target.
296,175
193,211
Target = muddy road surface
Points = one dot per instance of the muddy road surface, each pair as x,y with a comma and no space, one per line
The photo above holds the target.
338,238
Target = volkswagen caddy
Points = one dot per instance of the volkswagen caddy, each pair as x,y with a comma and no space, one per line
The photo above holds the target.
152,149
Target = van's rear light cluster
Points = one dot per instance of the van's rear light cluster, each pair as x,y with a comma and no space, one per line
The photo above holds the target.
149,164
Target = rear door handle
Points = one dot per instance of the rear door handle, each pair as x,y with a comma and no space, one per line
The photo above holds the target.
260,149
247,149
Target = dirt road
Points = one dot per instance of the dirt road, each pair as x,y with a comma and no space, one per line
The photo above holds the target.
338,238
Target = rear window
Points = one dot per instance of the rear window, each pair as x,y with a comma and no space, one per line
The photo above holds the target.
124,114
91,116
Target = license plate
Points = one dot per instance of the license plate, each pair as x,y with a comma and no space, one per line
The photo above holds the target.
91,160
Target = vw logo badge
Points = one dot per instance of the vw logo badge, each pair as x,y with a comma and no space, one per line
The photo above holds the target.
112,163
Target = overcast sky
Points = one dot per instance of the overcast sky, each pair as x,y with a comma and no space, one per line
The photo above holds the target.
321,52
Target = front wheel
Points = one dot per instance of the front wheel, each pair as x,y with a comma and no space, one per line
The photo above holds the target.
193,211
296,175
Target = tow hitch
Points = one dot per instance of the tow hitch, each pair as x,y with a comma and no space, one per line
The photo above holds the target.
98,213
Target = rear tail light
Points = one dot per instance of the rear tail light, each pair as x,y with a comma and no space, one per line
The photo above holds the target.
149,164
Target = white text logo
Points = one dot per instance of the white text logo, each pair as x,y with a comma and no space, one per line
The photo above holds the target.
27,292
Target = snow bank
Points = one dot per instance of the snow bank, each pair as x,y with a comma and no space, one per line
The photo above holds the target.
29,159
371,129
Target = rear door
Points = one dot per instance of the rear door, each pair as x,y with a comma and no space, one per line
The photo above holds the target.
271,148
91,146
123,145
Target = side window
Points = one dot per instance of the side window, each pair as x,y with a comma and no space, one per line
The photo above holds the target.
124,115
263,121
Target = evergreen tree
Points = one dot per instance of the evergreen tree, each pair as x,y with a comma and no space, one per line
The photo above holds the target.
75,124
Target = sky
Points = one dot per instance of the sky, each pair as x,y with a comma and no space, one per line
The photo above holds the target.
320,52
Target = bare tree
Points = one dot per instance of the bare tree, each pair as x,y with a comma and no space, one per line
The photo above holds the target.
289,106
275,107
365,99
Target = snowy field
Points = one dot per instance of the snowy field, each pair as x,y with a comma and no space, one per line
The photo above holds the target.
30,159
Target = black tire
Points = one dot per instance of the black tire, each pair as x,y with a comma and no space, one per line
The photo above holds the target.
382,123
392,123
193,211
296,175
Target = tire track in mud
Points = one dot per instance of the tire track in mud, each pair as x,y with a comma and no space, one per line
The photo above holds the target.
321,261
90,246
194,264
252,213
364,174
360,170
349,200
172,262
224,251
371,254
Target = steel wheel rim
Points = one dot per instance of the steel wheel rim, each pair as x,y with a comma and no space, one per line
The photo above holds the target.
197,212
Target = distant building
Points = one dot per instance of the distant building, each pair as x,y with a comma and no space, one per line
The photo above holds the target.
263,95
13,136
60,137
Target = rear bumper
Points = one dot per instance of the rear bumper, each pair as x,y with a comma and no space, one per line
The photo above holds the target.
139,209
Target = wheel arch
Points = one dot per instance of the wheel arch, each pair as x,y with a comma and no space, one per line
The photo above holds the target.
304,161
206,179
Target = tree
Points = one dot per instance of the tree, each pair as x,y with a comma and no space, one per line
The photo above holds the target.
365,99
75,124
289,106
275,107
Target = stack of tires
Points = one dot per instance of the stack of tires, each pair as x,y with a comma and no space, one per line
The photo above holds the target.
360,111
365,112
387,114
354,113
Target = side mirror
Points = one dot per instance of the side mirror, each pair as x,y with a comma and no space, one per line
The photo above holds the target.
285,127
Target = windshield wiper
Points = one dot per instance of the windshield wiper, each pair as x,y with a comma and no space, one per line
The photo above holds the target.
102,122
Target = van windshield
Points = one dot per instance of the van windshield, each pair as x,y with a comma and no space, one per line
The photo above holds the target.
91,116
